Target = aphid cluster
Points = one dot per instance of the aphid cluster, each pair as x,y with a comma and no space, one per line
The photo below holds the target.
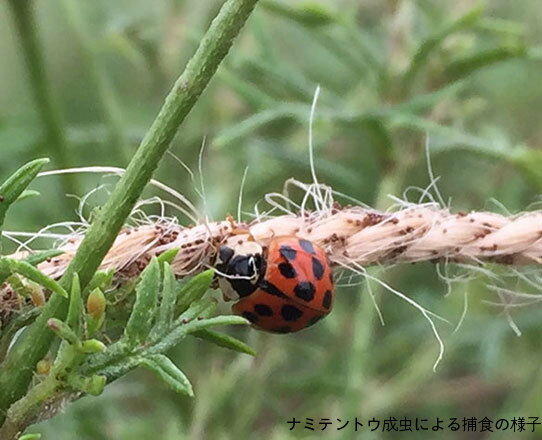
282,288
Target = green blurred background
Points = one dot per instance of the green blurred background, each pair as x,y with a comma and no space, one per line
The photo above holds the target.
461,77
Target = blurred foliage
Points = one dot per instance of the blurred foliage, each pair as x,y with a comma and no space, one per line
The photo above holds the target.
461,77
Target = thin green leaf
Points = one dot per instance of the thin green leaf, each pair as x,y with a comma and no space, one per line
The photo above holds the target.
527,160
213,322
530,162
30,437
33,259
468,64
347,55
425,101
197,308
166,370
180,326
406,120
27,194
167,256
167,304
194,289
74,309
242,129
308,13
225,341
381,136
14,186
91,346
10,266
253,95
284,152
39,257
422,54
502,26
140,321
278,80
63,331
94,324
100,280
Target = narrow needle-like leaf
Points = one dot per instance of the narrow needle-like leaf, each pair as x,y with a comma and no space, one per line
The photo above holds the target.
14,186
194,289
167,371
140,321
225,341
10,266
167,304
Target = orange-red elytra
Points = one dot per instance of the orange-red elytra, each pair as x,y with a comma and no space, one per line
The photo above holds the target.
283,288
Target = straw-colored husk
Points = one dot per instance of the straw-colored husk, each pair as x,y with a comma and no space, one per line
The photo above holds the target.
352,236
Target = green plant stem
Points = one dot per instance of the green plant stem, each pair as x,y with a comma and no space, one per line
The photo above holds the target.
17,370
23,407
105,94
49,112
22,412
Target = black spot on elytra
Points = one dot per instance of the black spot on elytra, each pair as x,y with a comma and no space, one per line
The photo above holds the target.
290,313
250,316
328,296
307,246
288,252
317,268
314,320
304,290
283,329
287,270
263,310
270,288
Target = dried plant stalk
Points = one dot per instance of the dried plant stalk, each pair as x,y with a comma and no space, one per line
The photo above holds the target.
352,236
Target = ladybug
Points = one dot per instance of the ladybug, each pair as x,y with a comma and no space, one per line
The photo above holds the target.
283,288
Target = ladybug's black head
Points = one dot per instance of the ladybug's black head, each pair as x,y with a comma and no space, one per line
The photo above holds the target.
240,269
